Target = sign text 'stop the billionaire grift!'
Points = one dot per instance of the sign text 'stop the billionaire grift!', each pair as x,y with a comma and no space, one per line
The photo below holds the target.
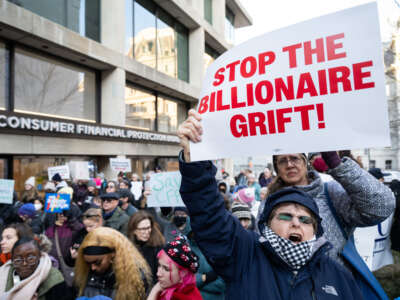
314,86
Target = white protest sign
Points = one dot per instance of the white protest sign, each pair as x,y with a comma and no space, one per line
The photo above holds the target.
164,189
62,170
136,189
120,164
79,170
6,191
314,86
373,244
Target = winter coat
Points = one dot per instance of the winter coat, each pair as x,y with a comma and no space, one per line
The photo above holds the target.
359,199
150,255
249,266
257,190
189,292
214,290
53,287
118,221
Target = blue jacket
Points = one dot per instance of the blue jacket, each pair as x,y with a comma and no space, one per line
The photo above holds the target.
249,266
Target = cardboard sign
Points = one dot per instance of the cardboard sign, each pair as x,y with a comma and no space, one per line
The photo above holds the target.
56,203
79,170
6,191
164,189
62,170
373,244
120,164
314,86
136,189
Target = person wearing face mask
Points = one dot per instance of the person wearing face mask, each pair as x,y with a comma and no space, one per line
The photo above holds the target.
10,235
109,264
178,224
30,275
31,217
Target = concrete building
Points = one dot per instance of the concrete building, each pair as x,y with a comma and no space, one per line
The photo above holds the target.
86,80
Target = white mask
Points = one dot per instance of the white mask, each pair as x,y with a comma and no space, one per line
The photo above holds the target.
38,206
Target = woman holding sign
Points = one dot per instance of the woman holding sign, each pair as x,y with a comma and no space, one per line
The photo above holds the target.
355,199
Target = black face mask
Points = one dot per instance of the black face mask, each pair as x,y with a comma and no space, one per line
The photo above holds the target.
222,190
179,220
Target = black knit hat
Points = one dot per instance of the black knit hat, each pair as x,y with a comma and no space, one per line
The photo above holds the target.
180,252
56,177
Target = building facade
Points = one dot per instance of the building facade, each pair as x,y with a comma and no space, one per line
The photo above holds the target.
87,80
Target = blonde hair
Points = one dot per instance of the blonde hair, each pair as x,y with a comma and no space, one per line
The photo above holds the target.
129,266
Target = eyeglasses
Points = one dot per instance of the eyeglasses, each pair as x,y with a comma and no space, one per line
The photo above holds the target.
30,260
289,217
284,161
110,186
144,228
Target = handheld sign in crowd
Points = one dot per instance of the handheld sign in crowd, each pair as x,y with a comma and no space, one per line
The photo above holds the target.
120,164
79,170
6,191
165,190
136,189
314,86
56,203
62,170
373,244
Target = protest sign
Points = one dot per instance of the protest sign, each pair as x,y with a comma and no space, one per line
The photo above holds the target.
373,244
62,170
6,191
164,189
56,203
314,86
120,164
79,170
136,189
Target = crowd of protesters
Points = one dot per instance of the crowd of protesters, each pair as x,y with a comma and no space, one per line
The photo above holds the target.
274,235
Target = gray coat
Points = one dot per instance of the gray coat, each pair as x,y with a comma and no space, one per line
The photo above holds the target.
359,199
118,221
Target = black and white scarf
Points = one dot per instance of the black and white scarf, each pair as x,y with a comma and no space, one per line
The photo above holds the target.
295,255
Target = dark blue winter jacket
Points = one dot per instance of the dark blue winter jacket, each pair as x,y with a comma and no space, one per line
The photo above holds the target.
250,267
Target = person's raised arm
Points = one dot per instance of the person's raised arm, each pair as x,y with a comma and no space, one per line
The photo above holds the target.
191,130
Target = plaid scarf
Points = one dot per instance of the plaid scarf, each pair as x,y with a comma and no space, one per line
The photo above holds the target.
295,255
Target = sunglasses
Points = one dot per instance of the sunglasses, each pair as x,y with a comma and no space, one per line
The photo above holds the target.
289,217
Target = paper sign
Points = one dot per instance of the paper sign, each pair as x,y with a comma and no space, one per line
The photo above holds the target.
164,189
314,86
62,170
120,164
79,169
373,244
136,189
6,191
56,203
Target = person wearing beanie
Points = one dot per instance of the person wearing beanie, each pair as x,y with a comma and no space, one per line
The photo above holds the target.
30,192
56,178
242,212
126,199
177,225
29,216
177,266
358,199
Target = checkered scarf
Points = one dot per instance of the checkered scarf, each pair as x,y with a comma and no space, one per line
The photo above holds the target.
295,255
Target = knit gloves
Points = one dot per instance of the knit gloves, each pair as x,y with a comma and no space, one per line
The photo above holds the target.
331,158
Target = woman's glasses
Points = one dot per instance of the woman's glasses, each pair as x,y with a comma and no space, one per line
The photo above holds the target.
30,260
289,217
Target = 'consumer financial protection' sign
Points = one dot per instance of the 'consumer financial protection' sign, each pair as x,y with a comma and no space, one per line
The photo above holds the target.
314,86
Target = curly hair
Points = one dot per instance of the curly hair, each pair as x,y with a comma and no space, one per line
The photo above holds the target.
156,237
129,266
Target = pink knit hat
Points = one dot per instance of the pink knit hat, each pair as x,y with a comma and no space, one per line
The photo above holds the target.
246,195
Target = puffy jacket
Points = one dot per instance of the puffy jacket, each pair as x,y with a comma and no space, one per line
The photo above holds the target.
249,267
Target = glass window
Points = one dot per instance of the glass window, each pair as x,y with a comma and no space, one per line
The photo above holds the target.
4,76
170,114
208,11
46,86
144,40
210,55
166,45
388,164
372,164
156,39
229,25
82,16
140,109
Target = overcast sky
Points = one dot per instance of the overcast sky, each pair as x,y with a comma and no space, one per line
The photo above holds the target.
269,15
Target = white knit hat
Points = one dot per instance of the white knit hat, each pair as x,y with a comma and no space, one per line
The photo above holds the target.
241,211
30,181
